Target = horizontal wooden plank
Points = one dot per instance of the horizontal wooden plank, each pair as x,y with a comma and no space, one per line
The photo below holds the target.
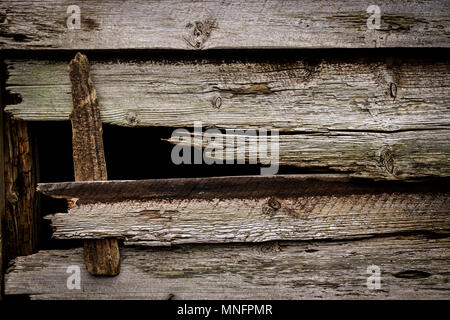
390,156
29,24
312,94
411,268
246,209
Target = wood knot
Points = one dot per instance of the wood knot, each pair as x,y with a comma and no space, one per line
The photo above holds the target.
170,296
216,102
393,90
132,118
387,159
272,206
198,32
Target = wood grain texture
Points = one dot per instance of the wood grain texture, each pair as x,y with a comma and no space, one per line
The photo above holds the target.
246,209
411,268
350,109
87,132
310,94
391,156
101,257
216,24
21,218
2,182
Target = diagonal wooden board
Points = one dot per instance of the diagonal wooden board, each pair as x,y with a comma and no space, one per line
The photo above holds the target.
247,209
413,267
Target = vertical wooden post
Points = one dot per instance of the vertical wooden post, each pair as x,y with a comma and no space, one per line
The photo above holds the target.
2,186
20,201
21,221
101,257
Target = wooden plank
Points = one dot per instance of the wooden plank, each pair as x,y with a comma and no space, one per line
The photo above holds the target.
246,209
391,156
313,93
21,219
346,107
101,257
411,268
188,25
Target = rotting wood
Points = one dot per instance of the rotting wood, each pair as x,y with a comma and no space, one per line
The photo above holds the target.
101,257
2,181
413,267
216,24
247,209
21,219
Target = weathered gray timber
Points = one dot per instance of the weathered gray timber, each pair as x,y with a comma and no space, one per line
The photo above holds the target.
411,268
313,95
349,115
246,209
185,24
391,156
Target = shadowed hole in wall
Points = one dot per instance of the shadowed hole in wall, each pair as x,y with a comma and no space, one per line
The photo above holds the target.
131,154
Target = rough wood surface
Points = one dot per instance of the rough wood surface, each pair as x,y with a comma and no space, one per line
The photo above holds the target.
101,256
411,268
354,110
391,156
185,24
21,219
2,181
246,209
312,94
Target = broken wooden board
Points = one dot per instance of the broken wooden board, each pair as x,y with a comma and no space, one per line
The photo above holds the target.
246,209
137,24
390,156
412,267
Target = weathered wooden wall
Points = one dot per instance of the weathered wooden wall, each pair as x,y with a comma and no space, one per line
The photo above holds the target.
140,24
366,112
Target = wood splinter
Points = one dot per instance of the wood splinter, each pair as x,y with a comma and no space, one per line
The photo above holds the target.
101,257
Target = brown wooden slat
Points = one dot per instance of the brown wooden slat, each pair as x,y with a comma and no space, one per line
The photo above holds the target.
101,257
